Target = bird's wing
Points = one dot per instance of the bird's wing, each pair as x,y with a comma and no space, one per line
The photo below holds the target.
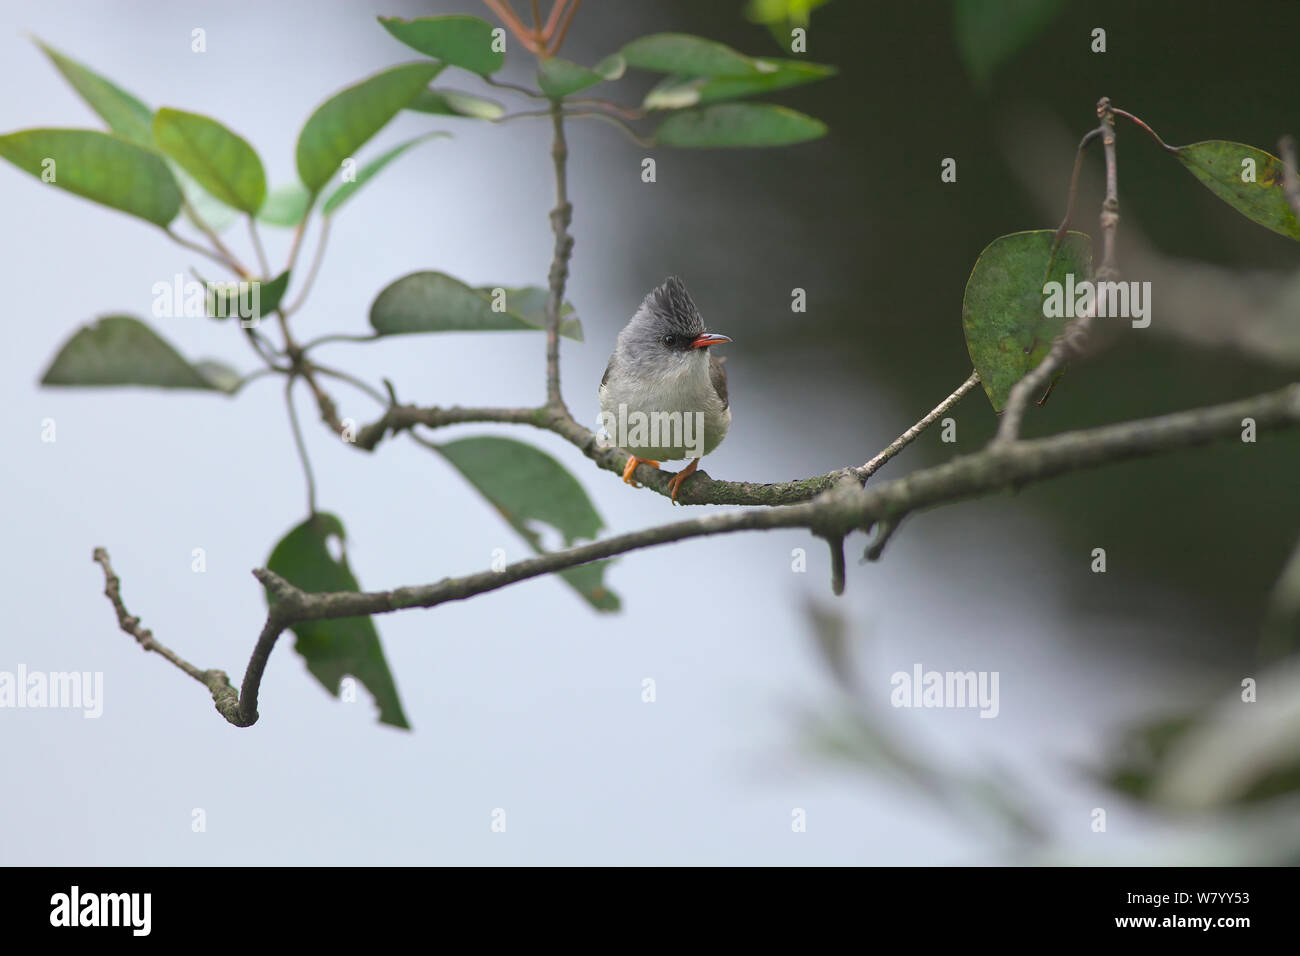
604,379
718,376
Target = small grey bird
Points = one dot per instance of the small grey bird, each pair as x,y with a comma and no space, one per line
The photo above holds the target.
664,394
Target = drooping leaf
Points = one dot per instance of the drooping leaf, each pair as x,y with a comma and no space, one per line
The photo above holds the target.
442,102
125,115
738,124
681,53
989,34
1221,166
1007,332
560,78
285,205
334,649
676,92
343,123
346,190
460,41
121,350
107,169
435,302
527,486
222,161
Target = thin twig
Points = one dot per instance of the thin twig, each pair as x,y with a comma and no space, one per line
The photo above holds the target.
1141,125
340,337
561,217
262,262
1084,143
554,48
553,20
1070,342
909,436
514,88
302,446
516,26
203,227
626,128
289,310
352,380
202,250
216,681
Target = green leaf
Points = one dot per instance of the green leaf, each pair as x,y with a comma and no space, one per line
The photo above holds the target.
435,302
121,350
460,41
782,12
1219,165
270,294
345,191
221,161
526,485
286,205
612,67
222,376
125,115
560,78
454,103
989,34
675,92
529,303
1002,312
334,649
223,299
687,55
99,166
738,124
344,122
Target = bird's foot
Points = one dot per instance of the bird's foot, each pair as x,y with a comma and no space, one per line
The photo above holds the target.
681,476
632,463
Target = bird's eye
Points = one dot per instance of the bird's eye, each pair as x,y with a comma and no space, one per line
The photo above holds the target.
670,340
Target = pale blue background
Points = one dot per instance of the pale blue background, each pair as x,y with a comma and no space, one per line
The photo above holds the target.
524,699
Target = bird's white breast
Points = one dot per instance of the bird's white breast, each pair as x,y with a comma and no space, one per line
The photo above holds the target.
686,390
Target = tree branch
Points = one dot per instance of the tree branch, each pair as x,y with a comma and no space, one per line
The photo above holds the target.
909,436
831,515
217,682
561,217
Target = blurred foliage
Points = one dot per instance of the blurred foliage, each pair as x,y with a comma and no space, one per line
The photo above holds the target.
884,249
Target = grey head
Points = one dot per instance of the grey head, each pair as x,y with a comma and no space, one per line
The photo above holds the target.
665,338
665,333
667,320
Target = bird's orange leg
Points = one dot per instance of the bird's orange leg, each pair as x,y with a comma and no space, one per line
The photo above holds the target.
682,475
632,463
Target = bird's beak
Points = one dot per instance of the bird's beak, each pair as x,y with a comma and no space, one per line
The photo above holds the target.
707,339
